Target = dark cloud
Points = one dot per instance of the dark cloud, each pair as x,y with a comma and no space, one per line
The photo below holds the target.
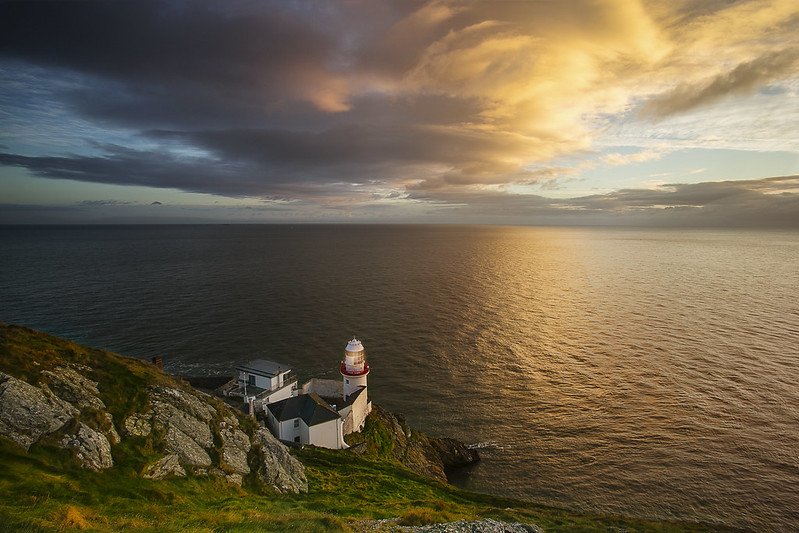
770,202
437,103
744,78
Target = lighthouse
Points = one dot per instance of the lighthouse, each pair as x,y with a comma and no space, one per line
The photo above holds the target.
354,367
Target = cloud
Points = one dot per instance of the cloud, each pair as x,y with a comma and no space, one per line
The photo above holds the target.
768,203
743,79
338,102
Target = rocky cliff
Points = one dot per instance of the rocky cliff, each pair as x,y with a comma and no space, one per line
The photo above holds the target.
95,405
386,434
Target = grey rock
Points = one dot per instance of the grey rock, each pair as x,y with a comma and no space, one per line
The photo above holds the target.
187,450
74,388
109,430
235,446
168,466
28,412
169,416
90,447
487,525
235,479
278,468
184,401
137,425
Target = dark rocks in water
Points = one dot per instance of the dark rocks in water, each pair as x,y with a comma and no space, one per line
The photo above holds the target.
454,453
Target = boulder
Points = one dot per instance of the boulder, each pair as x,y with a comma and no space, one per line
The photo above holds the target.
453,453
236,479
235,447
90,447
277,467
27,412
487,525
169,416
109,430
188,451
168,466
137,425
74,388
184,401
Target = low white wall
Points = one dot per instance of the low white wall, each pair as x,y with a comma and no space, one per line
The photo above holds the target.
330,388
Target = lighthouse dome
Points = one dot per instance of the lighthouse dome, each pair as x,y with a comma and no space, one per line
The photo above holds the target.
354,346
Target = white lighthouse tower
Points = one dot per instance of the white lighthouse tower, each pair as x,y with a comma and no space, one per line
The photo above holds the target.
354,367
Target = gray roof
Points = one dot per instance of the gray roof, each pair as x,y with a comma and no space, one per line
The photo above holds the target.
264,367
341,403
310,407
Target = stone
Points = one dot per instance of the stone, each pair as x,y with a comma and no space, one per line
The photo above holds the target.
167,466
27,412
74,388
169,416
277,467
90,447
188,451
235,447
137,425
235,479
184,401
109,430
487,525
454,453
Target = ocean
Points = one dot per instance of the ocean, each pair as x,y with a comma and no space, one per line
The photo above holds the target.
645,372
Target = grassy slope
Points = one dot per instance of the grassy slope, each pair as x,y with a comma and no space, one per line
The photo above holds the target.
44,490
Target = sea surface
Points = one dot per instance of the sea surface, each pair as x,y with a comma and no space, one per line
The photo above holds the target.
652,373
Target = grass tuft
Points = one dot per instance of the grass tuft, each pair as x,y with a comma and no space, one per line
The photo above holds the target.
74,519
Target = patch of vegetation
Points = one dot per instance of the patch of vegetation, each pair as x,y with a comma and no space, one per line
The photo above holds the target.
44,490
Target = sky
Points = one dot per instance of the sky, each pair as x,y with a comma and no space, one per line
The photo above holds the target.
553,112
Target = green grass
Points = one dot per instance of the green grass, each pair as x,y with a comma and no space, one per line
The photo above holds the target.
43,489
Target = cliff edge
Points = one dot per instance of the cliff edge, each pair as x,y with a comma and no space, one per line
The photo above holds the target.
97,407
388,435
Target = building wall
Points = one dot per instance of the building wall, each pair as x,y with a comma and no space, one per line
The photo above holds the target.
360,409
350,383
327,434
330,388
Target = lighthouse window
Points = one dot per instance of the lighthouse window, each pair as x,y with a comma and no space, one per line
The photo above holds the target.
347,381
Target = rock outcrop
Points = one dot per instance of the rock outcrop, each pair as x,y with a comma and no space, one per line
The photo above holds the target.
137,425
278,468
27,412
235,447
168,466
71,387
422,454
91,448
199,436
487,525
189,452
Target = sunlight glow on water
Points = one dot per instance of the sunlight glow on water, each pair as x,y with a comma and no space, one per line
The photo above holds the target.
644,372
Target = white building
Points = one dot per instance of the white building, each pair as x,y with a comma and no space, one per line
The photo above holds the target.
306,419
261,382
327,409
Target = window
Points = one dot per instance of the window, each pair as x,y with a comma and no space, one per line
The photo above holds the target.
296,439
347,381
296,422
251,379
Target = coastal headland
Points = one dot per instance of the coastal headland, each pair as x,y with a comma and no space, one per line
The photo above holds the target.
93,440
